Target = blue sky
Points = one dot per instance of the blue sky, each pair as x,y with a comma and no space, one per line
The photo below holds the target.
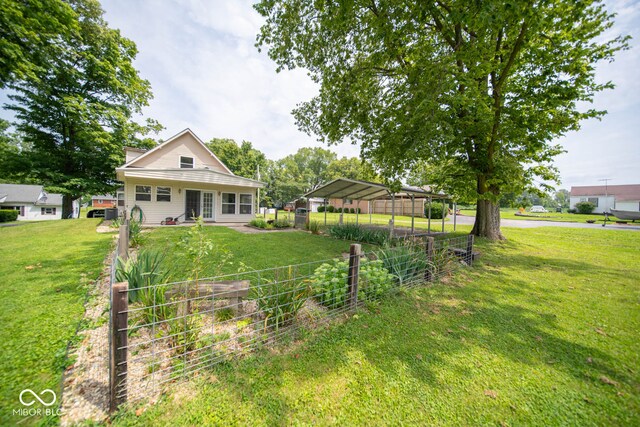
207,75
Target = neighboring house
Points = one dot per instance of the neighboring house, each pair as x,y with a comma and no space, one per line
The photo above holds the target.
103,201
31,202
620,197
182,177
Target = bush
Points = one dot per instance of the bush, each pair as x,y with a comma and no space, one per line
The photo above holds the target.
281,300
585,207
407,262
320,208
359,210
331,208
282,223
329,282
572,211
358,233
8,215
352,210
339,210
314,227
259,223
436,210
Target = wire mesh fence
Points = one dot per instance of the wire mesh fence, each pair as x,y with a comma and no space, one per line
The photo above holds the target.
167,332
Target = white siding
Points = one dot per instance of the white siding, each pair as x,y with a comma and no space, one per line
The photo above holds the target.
628,206
604,203
155,212
168,157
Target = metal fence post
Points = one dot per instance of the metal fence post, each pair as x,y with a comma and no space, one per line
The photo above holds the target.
352,280
118,321
123,241
469,252
428,274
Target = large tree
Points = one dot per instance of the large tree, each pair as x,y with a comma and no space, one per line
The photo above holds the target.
76,114
476,90
243,160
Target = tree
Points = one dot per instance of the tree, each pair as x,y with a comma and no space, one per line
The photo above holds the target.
562,198
242,160
76,114
14,165
30,36
308,167
352,168
475,90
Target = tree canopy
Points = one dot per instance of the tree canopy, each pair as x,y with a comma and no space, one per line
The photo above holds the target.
76,114
243,159
470,93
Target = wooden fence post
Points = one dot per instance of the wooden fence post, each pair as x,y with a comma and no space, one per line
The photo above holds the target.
123,241
469,252
118,322
354,271
428,274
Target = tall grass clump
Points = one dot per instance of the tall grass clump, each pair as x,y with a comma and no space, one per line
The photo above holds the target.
359,233
407,261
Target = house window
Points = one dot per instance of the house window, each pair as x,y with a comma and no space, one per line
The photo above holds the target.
47,211
100,201
120,199
143,193
186,162
594,200
163,194
246,204
228,203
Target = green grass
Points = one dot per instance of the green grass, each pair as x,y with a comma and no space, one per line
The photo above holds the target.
45,269
542,331
548,216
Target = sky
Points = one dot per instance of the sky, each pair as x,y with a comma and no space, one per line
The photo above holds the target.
207,75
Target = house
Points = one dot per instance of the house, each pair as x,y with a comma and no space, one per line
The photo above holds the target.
103,201
620,197
182,178
31,202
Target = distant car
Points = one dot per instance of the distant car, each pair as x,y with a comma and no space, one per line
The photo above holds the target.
538,209
96,213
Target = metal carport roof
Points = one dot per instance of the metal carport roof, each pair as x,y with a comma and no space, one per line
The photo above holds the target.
343,188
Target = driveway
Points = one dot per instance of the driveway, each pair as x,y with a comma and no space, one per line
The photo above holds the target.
522,223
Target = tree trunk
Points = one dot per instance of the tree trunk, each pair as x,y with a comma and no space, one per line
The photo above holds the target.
67,206
487,220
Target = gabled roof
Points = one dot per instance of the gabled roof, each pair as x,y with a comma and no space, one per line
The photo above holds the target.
207,176
169,141
620,192
19,193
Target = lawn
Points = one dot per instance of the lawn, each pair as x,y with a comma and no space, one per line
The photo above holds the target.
548,216
542,331
46,268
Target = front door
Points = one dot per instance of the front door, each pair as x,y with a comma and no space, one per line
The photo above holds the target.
192,204
207,206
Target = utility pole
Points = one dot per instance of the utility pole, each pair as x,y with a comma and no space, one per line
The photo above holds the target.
606,199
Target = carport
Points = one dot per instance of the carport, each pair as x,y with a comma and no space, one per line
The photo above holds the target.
343,188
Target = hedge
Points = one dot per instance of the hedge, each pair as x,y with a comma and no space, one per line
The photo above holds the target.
436,210
8,215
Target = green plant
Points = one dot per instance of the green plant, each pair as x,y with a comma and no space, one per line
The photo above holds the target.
352,210
437,210
321,208
182,330
314,226
135,233
282,223
329,281
339,210
331,208
585,207
258,222
281,299
407,261
8,215
359,233
200,251
141,271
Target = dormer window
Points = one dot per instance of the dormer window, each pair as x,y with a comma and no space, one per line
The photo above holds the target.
186,162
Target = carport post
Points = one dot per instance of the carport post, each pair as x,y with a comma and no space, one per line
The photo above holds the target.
342,211
413,211
443,215
429,216
357,210
455,208
325,211
392,224
369,206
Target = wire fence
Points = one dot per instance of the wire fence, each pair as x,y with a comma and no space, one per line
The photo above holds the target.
167,332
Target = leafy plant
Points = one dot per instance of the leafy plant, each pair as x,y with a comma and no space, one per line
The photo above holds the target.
406,262
321,208
314,227
281,299
183,331
258,222
8,215
585,207
282,223
374,280
437,210
141,271
331,208
359,233
135,233
201,252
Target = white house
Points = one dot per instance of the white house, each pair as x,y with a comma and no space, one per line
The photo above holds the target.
620,197
31,202
182,177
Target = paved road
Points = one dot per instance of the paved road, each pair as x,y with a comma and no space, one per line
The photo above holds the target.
523,223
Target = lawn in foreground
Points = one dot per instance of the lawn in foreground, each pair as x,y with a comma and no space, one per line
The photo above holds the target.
46,267
542,331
